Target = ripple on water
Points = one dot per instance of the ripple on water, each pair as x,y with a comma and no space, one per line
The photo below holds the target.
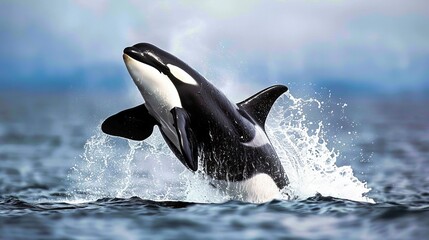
98,201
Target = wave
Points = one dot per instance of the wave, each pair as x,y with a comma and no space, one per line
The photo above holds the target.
318,204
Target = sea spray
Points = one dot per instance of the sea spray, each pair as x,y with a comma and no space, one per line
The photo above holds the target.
303,149
101,171
114,167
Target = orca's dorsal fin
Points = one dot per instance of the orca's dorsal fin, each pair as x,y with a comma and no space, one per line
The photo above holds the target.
259,105
135,123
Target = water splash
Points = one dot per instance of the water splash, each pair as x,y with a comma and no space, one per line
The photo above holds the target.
112,167
100,174
303,149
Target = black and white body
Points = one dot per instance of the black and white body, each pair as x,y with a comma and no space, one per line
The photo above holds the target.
205,130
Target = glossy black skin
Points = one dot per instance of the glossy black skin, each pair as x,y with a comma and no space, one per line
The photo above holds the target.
219,127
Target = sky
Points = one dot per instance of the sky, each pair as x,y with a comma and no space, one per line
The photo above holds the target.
353,45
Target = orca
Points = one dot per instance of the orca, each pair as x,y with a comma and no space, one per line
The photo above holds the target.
205,130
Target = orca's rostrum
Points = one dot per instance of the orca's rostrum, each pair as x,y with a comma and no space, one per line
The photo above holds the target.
201,126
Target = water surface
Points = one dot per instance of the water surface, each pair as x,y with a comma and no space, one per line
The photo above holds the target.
361,173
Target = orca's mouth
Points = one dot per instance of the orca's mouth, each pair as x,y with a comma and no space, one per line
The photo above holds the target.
146,57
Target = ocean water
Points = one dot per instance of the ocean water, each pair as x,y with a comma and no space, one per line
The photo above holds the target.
358,170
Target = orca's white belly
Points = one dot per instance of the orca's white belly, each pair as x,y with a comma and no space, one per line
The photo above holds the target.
257,189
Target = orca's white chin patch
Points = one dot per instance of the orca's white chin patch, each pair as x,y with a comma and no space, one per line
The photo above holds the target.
151,81
143,74
260,188
159,93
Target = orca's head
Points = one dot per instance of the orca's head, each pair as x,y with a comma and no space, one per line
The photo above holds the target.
149,66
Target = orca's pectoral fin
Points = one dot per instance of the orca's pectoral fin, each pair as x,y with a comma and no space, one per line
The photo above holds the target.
259,105
134,123
188,146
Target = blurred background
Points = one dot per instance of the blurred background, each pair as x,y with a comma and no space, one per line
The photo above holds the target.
353,48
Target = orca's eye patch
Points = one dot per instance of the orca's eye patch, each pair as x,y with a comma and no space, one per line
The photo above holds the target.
181,75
